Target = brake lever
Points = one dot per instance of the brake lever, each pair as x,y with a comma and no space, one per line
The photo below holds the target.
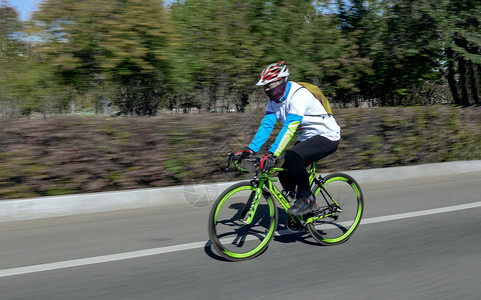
257,163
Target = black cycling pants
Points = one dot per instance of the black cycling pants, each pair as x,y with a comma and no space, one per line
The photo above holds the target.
299,157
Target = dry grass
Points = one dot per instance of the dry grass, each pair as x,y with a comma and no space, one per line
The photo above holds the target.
65,155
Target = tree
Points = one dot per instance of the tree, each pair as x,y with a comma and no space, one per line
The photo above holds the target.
338,52
25,81
223,45
98,45
217,51
461,38
9,26
404,47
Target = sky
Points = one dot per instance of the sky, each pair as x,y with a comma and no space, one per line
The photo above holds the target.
26,7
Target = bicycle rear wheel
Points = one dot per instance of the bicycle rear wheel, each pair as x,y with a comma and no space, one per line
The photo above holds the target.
340,197
229,232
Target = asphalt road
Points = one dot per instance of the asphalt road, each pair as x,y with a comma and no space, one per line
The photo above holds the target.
405,249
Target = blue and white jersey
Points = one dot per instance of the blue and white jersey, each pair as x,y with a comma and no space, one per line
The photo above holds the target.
300,113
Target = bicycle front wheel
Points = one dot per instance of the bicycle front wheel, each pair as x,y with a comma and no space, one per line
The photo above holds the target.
341,205
242,222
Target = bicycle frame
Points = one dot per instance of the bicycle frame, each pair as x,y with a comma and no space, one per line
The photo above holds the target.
264,179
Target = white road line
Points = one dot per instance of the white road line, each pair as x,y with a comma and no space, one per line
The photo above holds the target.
98,259
189,246
421,213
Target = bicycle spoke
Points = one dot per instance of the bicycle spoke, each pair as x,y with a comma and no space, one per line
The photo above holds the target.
234,238
336,222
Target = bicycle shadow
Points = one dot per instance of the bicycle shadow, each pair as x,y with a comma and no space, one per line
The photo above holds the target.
212,254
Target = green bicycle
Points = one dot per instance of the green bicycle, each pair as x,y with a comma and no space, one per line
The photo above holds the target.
244,218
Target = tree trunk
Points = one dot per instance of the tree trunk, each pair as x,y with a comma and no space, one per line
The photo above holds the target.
472,81
462,81
450,76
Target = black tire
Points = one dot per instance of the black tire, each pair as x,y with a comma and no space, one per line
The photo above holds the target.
340,227
233,239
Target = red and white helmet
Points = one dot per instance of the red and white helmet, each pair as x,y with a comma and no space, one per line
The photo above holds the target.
272,73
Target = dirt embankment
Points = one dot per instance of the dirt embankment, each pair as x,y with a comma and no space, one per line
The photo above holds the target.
64,155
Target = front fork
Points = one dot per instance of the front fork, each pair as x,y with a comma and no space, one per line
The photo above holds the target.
250,208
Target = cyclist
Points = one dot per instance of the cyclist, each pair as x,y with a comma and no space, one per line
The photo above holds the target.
302,114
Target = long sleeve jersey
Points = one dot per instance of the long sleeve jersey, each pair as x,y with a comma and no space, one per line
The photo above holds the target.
300,113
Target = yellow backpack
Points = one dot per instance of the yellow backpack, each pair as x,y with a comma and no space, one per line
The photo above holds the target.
318,94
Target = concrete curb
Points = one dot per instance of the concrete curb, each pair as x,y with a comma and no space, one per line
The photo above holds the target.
194,195
418,171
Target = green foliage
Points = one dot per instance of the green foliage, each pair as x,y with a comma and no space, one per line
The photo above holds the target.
140,56
108,49
27,84
460,27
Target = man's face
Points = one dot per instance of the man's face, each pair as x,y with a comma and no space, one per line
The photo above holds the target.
272,85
